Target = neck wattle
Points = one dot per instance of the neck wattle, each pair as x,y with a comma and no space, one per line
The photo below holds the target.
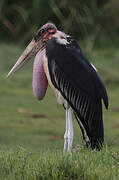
40,81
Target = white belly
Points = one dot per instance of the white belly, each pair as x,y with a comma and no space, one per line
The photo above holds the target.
59,97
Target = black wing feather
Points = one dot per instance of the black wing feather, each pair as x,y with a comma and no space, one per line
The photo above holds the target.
80,85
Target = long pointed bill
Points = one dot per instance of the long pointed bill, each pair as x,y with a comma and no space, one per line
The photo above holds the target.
30,51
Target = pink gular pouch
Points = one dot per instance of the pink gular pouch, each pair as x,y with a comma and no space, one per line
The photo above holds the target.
40,82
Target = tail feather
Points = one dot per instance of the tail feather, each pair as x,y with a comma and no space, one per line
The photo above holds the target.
92,129
96,129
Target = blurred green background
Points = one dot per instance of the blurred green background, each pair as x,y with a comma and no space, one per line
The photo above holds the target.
19,20
32,124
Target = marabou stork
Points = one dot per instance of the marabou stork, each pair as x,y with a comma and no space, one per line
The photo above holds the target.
60,62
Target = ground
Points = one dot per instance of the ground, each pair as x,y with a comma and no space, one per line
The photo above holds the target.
31,132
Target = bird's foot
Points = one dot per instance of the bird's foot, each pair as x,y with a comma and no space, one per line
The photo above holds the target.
68,145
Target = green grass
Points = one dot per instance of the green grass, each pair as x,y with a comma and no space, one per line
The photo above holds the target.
31,132
84,164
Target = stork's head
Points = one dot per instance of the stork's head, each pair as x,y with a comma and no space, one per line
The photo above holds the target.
45,32
38,43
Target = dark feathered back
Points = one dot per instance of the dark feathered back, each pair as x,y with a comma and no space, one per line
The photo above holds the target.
80,85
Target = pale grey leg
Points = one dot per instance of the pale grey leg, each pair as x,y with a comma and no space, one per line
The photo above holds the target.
66,132
69,133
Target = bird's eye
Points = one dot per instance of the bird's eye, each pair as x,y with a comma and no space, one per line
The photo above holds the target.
51,32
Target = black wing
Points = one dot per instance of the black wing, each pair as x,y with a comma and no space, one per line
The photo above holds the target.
80,85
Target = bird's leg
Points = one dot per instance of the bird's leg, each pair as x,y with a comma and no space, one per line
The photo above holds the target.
66,132
68,136
70,130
